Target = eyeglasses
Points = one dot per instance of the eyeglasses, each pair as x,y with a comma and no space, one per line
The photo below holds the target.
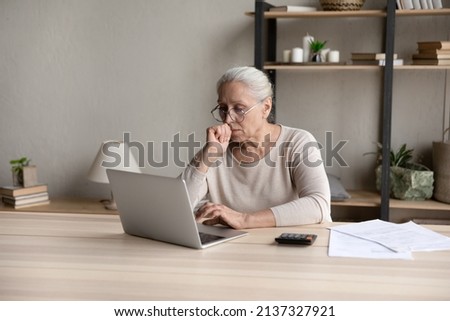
236,114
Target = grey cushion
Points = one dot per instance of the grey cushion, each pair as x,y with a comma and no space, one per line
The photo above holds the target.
338,192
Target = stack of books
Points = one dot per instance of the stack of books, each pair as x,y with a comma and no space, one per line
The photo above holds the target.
435,53
19,197
373,58
293,9
419,4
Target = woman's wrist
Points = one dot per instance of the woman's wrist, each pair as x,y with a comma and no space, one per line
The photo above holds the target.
211,152
206,157
263,218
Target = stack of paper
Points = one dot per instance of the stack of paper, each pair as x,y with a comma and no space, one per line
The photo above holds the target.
384,240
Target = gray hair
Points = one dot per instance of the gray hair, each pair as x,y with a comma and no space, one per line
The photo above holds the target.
257,81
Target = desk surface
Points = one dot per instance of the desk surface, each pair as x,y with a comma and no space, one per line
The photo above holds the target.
49,256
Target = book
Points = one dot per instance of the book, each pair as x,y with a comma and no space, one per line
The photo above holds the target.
416,4
407,4
424,4
293,9
437,4
379,62
422,55
369,56
434,51
17,206
19,190
16,203
433,45
26,197
419,4
433,62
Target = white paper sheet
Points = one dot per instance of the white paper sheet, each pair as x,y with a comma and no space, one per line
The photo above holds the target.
403,237
344,245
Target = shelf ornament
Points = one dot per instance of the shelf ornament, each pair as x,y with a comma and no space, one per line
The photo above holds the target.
24,174
408,180
316,47
341,5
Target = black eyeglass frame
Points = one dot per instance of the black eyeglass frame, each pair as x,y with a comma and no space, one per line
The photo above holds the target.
228,112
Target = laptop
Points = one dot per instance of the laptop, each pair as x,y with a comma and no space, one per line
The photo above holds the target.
158,208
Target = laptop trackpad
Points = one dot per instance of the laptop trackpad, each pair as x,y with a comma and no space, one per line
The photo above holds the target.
216,233
206,238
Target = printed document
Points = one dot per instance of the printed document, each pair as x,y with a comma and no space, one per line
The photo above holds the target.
398,238
345,245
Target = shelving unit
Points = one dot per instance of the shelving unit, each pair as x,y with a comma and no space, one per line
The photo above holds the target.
265,59
372,199
270,64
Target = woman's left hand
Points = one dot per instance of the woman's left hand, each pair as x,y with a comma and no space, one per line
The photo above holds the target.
211,214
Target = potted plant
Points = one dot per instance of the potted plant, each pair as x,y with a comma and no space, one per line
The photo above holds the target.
316,46
23,173
408,180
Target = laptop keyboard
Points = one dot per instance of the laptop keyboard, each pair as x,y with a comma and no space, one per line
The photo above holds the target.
208,238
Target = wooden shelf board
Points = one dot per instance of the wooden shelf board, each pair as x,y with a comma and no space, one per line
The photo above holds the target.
325,14
309,67
429,12
349,14
372,199
421,67
65,205
321,14
300,67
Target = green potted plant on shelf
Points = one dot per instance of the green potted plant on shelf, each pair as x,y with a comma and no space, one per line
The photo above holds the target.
316,47
23,173
408,180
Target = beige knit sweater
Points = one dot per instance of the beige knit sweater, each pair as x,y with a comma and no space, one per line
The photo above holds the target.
290,180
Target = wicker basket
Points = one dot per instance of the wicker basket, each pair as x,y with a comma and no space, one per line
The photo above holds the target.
341,5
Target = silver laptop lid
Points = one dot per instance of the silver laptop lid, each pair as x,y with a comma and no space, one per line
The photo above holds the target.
154,207
159,208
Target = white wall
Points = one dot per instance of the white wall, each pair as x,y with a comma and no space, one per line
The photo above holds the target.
74,73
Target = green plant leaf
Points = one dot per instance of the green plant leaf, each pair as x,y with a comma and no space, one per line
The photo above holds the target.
400,158
316,45
19,163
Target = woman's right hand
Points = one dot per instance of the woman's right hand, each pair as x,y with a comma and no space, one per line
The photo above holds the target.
217,140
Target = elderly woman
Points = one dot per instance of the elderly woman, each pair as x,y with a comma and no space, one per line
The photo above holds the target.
253,173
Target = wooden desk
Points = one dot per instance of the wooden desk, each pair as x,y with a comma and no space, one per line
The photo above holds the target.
48,256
